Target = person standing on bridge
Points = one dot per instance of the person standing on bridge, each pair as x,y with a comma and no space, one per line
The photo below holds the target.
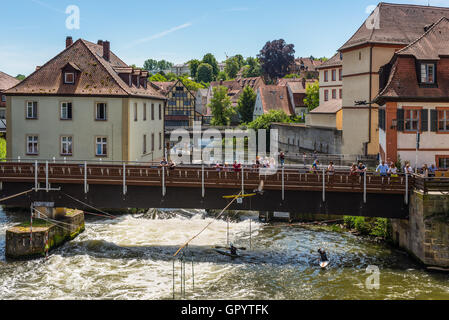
383,169
315,168
361,169
282,158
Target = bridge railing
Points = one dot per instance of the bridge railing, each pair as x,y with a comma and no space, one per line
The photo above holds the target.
198,176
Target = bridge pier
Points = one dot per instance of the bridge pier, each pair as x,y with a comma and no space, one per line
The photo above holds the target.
426,234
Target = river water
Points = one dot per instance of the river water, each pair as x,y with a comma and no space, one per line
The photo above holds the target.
130,258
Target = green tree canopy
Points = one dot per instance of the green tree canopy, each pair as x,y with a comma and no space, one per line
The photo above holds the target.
171,76
222,76
275,58
232,67
150,65
246,103
265,120
240,60
205,73
221,107
194,64
158,78
210,59
192,85
252,68
20,77
312,99
164,65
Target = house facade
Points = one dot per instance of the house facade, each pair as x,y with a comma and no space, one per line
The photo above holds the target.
329,112
389,28
6,82
180,111
414,99
85,104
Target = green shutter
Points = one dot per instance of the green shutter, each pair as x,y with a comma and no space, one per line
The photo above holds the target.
400,119
425,120
433,120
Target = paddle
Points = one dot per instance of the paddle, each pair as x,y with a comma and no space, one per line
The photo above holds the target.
220,247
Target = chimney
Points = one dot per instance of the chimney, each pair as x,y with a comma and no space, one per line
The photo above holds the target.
100,42
68,42
106,50
38,67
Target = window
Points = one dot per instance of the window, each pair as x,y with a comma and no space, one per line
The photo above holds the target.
341,93
152,142
360,55
152,111
2,113
66,146
334,93
66,111
188,102
144,112
69,78
334,75
326,76
326,95
3,98
412,119
340,74
32,145
443,120
101,112
135,111
144,144
160,111
101,147
442,162
31,110
428,73
160,141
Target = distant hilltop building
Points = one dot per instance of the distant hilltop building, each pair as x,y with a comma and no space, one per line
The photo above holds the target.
85,104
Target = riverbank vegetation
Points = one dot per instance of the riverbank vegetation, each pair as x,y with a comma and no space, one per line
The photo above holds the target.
376,227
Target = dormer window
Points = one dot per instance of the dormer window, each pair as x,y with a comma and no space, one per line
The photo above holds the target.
428,73
69,77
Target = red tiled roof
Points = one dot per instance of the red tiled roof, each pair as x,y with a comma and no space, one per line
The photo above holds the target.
235,87
335,61
97,77
6,81
403,78
275,98
308,63
331,106
400,24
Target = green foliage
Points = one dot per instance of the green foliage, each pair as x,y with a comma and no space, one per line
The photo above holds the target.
398,163
222,76
20,77
312,99
192,85
210,60
292,76
265,120
194,64
232,67
246,103
377,227
150,65
158,78
205,73
252,68
221,107
2,148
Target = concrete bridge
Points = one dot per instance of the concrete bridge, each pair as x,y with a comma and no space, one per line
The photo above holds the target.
139,185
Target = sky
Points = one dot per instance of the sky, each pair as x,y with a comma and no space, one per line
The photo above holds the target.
34,31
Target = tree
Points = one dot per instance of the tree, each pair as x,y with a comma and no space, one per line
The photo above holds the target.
164,65
210,59
232,67
194,64
221,107
312,99
192,85
158,78
246,103
205,73
171,76
222,76
275,58
265,120
240,60
20,77
150,65
252,68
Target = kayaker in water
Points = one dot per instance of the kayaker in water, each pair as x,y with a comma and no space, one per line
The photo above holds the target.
323,255
233,249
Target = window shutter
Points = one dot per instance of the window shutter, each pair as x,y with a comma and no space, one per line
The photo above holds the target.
433,120
425,120
400,120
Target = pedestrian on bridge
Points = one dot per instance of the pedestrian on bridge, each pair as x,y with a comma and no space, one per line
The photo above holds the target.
383,169
361,169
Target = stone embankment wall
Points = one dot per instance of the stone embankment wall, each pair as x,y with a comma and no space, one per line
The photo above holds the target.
20,245
426,234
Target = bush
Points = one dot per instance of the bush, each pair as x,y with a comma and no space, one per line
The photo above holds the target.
377,227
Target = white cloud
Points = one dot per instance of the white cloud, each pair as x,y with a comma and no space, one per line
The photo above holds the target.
159,35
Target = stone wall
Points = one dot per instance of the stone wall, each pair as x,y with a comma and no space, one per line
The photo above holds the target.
297,137
426,234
